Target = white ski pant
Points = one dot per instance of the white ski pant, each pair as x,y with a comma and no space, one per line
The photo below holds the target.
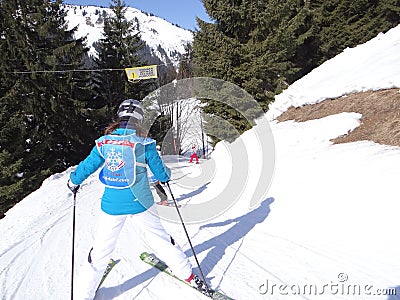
147,226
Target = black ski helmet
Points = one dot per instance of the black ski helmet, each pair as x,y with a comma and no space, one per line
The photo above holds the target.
130,108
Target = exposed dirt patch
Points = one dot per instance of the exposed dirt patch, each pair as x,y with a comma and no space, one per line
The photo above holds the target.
380,111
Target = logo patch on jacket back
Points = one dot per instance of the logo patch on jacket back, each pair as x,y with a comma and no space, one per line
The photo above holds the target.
114,160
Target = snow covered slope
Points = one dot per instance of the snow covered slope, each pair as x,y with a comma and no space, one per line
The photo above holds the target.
165,41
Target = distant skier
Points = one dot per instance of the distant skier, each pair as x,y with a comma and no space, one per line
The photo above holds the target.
194,155
123,155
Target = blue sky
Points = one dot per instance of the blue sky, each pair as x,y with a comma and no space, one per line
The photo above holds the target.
180,12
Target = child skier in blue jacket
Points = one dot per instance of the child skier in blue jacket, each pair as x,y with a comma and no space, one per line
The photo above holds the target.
124,157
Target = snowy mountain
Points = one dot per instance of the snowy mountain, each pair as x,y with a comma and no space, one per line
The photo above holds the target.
326,227
165,41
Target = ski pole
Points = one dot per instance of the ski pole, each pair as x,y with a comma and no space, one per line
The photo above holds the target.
73,248
187,235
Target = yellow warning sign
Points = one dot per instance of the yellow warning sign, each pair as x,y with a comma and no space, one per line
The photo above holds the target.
139,73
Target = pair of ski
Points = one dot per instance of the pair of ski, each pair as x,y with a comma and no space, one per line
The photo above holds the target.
160,265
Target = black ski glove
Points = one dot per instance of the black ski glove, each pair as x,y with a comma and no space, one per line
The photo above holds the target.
73,187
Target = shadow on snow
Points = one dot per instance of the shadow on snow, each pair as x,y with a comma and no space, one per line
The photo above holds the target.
218,245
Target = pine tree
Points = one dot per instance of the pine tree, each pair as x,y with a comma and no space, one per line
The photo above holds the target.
117,50
166,74
252,44
41,108
186,64
348,23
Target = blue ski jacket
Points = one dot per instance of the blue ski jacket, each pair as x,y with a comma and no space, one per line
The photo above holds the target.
124,158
